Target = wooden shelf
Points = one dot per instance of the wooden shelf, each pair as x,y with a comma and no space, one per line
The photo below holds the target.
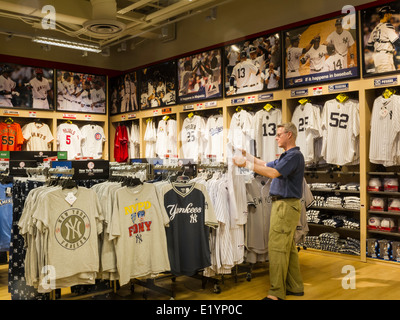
333,209
333,228
388,213
335,191
385,193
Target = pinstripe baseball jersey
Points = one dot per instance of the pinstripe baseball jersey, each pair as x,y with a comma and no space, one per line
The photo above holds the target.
383,36
307,120
340,125
385,128
190,213
264,125
193,137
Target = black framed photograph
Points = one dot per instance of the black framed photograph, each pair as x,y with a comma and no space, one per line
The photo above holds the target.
158,85
200,76
81,92
321,52
123,93
26,87
380,39
253,65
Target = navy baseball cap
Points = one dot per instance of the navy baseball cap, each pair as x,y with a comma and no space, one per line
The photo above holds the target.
386,9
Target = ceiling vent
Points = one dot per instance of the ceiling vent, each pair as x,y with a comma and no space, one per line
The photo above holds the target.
103,22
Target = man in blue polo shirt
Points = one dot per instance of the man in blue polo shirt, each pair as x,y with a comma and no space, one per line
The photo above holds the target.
287,175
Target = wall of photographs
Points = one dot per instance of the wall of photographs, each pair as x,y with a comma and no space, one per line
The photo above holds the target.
44,98
351,58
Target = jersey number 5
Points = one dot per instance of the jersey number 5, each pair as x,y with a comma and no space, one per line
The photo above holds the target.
7,140
68,139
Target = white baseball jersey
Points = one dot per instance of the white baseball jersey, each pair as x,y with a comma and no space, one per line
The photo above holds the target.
192,137
39,93
382,38
317,58
293,61
86,101
255,80
265,126
37,136
307,120
385,128
6,84
92,141
162,139
69,139
342,42
340,125
73,101
60,95
150,137
242,74
240,131
334,62
273,78
215,137
134,141
98,99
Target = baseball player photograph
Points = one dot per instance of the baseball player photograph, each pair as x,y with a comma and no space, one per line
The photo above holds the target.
199,76
157,85
381,42
26,87
251,70
79,92
306,52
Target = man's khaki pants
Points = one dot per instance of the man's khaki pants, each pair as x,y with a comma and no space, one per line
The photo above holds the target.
284,269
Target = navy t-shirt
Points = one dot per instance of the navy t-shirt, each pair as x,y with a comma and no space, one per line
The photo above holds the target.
291,167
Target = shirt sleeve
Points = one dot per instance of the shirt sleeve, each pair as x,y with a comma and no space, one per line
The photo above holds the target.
287,164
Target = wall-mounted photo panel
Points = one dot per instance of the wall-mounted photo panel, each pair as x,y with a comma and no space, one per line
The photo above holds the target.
325,51
158,85
253,65
81,92
123,93
199,76
26,87
380,39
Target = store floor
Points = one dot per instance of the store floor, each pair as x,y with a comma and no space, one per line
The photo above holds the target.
323,275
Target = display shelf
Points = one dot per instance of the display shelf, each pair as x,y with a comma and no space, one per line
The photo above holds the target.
333,209
385,193
333,228
388,213
338,191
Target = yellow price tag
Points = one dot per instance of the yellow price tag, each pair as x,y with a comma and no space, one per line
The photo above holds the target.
342,97
239,109
303,101
268,107
190,115
387,93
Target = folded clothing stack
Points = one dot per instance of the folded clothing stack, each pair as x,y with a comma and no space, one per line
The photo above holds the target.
351,203
349,246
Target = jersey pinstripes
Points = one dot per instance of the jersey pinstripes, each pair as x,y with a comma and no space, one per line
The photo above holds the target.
340,130
385,128
307,120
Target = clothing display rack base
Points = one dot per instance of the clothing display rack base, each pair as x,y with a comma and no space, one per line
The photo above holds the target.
151,285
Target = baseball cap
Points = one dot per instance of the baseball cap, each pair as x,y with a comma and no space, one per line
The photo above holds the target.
252,49
390,184
243,53
338,21
38,70
394,205
294,38
387,223
374,184
385,9
374,221
377,203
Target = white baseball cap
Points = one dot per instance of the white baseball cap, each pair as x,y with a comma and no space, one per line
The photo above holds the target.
387,223
394,203
374,221
391,182
377,202
374,184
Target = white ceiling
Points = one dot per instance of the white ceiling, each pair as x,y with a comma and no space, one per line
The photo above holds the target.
105,23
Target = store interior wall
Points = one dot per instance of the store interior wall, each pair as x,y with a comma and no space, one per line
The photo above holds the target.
234,20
